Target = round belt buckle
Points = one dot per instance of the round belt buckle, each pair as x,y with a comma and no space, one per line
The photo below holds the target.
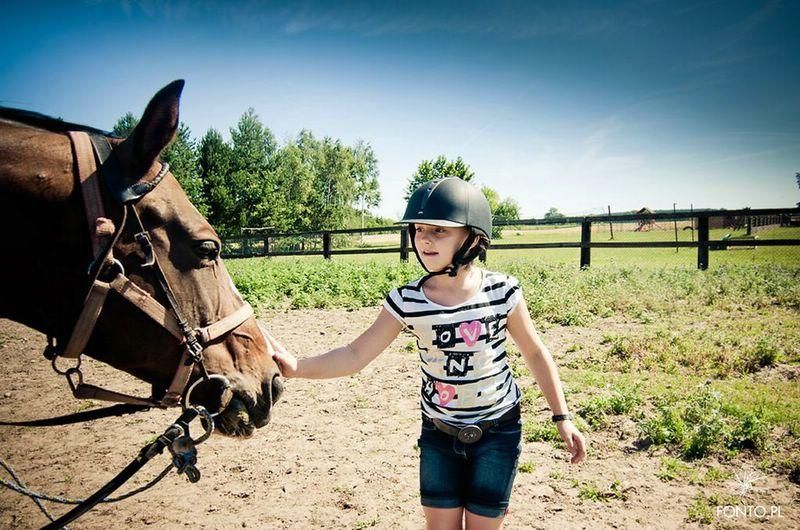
470,434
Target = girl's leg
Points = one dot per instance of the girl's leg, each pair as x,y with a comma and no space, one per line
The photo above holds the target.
479,522
441,476
443,518
494,461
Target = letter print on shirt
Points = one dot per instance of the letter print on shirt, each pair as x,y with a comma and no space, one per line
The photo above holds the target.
428,388
492,323
457,363
444,335
470,332
446,393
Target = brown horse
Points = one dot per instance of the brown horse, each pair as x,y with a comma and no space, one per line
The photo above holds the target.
48,250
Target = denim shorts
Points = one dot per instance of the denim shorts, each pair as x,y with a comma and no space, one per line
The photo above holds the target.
477,476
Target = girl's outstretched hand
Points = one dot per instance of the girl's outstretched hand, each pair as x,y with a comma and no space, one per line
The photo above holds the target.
576,443
287,363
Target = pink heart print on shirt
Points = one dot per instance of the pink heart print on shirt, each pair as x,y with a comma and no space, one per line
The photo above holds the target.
446,393
470,332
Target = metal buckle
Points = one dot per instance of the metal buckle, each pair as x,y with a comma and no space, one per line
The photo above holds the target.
143,238
225,397
470,434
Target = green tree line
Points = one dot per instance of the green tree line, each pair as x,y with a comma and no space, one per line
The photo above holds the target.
307,184
250,181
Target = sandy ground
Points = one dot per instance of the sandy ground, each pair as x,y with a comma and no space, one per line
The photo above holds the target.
338,454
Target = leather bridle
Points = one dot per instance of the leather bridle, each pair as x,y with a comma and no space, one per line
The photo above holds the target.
108,274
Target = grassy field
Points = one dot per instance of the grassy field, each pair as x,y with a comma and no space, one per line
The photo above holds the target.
705,363
643,257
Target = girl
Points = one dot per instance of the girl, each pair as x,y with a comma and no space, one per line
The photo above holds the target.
470,437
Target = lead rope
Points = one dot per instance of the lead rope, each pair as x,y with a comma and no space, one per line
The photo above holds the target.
37,497
177,439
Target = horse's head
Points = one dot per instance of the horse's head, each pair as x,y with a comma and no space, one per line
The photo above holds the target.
187,249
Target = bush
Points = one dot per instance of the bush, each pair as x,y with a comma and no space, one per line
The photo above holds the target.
621,400
764,353
701,425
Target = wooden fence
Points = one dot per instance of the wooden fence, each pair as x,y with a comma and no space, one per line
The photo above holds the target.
252,246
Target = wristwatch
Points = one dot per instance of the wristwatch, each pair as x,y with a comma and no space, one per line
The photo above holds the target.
559,417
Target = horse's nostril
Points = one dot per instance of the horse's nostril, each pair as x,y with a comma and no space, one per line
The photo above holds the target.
277,388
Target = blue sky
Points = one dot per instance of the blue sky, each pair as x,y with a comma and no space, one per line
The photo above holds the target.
565,104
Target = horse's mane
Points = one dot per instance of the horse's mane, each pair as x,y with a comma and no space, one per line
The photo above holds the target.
48,123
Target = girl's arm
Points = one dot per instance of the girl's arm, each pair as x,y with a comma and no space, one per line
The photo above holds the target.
543,368
344,360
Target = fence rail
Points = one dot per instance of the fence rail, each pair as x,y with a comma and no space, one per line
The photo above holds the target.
321,243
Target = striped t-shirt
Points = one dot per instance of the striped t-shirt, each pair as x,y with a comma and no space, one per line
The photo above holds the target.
465,373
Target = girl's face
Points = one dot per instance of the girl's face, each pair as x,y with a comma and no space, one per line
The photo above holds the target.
437,245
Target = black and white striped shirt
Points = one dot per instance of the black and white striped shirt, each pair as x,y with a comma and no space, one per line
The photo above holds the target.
465,373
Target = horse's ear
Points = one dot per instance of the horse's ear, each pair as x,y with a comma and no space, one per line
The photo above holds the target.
157,127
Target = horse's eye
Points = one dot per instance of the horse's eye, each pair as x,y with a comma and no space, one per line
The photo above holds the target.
207,249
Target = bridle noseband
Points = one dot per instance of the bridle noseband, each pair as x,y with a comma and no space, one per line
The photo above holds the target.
108,274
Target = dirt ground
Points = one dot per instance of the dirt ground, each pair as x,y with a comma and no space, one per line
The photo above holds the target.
338,454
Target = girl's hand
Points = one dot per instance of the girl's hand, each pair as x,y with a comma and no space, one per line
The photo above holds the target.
576,443
287,363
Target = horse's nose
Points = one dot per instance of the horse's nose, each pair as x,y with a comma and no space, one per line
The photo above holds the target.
270,393
275,389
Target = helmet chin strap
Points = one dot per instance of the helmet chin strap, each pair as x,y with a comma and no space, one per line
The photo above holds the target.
461,257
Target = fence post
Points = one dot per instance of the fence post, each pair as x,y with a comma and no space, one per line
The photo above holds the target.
404,243
266,246
702,242
326,245
586,238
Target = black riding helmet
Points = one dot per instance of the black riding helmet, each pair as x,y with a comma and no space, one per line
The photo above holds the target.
452,202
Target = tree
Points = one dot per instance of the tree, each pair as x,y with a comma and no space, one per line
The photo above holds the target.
334,185
292,173
181,155
506,210
439,168
214,160
125,125
553,213
252,146
797,176
365,173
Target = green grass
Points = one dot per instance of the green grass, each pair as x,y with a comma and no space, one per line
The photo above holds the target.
620,400
776,402
702,424
681,352
536,431
591,491
671,469
731,343
560,294
674,469
526,467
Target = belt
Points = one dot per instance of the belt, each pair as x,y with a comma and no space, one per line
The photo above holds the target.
472,433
